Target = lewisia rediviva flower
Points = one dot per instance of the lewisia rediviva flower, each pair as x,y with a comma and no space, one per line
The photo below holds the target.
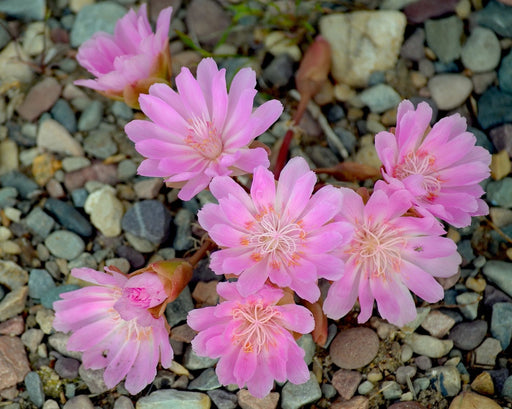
253,338
279,233
440,168
202,131
128,62
388,255
111,324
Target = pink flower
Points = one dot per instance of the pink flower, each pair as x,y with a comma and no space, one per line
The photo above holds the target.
203,131
132,59
111,325
281,233
440,168
252,337
389,254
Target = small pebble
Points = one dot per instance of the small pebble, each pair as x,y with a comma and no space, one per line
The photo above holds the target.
354,347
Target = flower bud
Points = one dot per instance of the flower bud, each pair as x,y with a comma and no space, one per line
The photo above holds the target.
314,67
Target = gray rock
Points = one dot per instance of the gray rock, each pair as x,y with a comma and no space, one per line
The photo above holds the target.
122,111
4,35
499,192
507,388
95,17
26,10
295,396
64,114
391,390
58,341
40,223
123,402
308,345
443,37
126,169
53,294
8,197
494,108
31,338
91,116
171,398
505,73
380,98
423,362
485,354
223,399
207,381
501,323
446,379
149,220
93,378
322,156
183,221
34,388
365,388
405,372
501,138
25,186
193,362
206,20
496,16
69,217
67,368
482,50
64,244
468,304
450,90
79,402
39,282
279,72
500,273
413,47
468,335
100,144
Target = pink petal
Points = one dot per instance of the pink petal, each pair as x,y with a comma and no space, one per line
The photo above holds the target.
192,95
263,189
342,294
297,318
322,207
252,279
421,283
394,301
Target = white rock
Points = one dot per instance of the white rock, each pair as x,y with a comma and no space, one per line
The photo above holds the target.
13,65
106,211
34,41
450,90
54,137
363,42
429,346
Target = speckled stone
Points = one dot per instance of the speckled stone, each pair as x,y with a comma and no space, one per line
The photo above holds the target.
354,348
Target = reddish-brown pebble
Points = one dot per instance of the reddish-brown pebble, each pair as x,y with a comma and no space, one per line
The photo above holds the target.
354,348
13,361
40,98
357,402
407,405
14,326
346,382
205,294
183,333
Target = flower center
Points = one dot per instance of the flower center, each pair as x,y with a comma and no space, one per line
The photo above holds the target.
204,138
257,326
377,249
271,237
420,163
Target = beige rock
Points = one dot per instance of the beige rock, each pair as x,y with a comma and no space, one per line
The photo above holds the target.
54,137
429,346
77,5
450,90
12,275
34,41
476,284
8,156
13,66
363,42
470,400
13,303
500,165
247,401
106,211
279,42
